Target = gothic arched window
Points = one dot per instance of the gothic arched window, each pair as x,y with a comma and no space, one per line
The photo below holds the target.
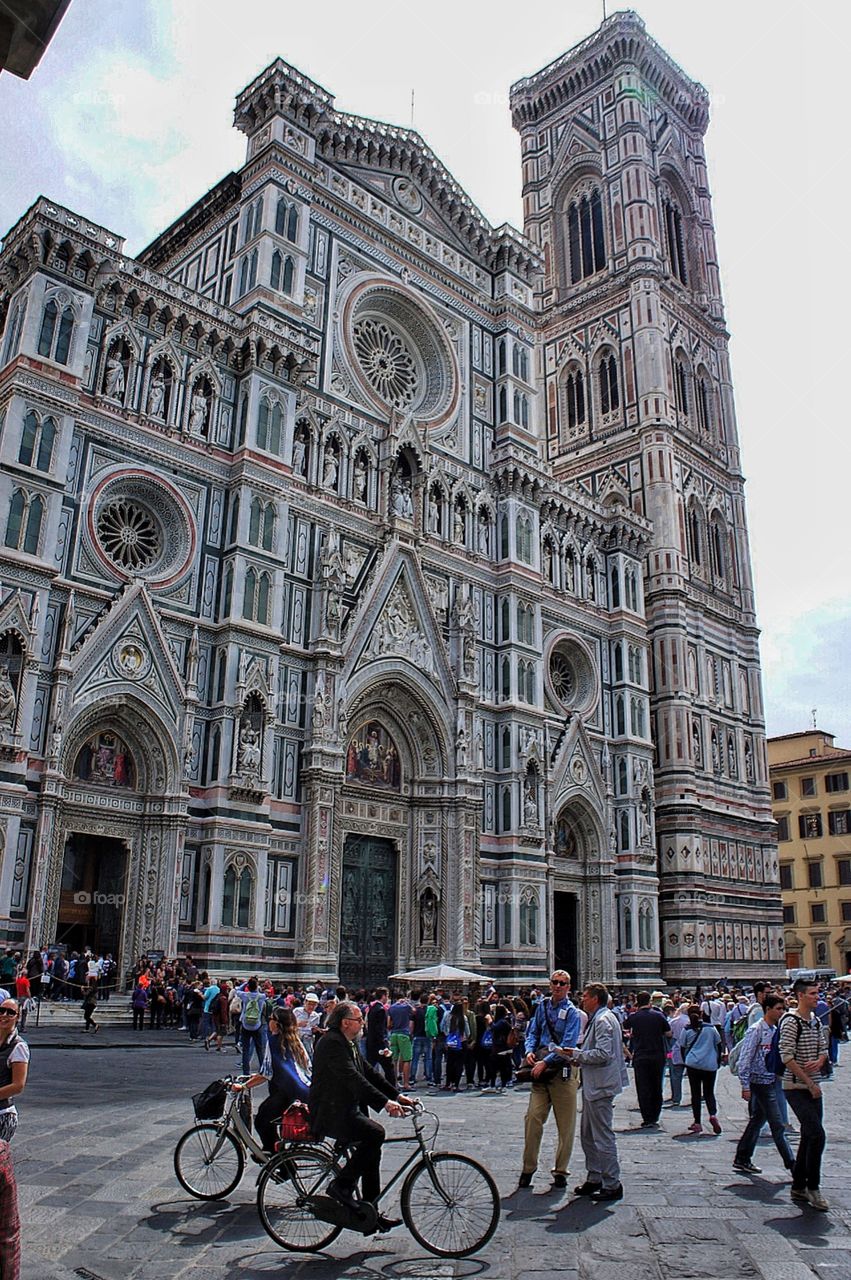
586,243
607,373
674,240
681,381
288,276
703,397
529,908
695,535
645,925
269,424
275,278
574,388
23,525
48,326
717,540
615,587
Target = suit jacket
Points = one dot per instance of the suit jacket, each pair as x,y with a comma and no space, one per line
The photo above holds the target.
601,1057
343,1085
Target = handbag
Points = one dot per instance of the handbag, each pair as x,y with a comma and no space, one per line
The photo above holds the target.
295,1123
523,1074
454,1040
209,1104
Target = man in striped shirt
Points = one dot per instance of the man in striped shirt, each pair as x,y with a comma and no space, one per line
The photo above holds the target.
803,1051
757,1076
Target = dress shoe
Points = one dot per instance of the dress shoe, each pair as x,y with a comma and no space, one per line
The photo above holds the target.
588,1189
607,1193
387,1224
525,1180
559,1181
817,1200
342,1194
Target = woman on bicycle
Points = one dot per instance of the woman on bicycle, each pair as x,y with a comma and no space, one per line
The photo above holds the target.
286,1069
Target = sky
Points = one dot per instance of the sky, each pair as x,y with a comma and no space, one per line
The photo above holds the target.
128,120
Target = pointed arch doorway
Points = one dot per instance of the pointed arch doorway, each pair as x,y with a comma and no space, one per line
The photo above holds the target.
368,916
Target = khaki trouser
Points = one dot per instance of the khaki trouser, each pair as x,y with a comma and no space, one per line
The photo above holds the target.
559,1096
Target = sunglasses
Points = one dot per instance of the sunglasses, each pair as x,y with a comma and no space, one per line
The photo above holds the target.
556,982
8,1013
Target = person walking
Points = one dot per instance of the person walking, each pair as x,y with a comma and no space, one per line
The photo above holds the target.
139,1003
14,1065
650,1036
400,1017
90,1000
555,1025
421,1042
758,1066
701,1049
803,1052
604,1076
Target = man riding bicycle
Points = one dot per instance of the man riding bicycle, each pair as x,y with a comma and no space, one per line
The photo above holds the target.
343,1086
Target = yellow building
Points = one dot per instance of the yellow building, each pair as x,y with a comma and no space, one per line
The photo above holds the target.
811,802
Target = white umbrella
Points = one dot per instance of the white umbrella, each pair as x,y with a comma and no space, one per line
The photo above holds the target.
439,973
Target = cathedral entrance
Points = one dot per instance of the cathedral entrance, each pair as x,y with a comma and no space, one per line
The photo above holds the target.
93,893
368,922
566,936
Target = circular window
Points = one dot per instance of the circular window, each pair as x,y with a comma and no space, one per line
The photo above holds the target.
397,351
386,360
571,675
128,534
141,527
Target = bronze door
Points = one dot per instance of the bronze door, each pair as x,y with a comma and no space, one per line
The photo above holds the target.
368,923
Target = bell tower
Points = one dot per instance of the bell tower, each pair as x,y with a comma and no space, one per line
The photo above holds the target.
639,392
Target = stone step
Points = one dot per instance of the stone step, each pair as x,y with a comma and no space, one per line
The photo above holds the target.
55,1014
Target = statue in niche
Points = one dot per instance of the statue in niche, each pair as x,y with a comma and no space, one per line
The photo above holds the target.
530,804
428,919
548,562
570,572
330,469
433,514
461,747
484,531
401,497
458,526
198,412
731,758
114,381
697,749
749,771
8,700
249,749
480,751
645,828
360,479
156,395
716,755
318,714
299,454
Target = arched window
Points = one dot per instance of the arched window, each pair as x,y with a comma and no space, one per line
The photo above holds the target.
704,404
529,917
575,393
500,357
243,900
248,272
263,589
505,620
674,241
622,777
506,678
506,809
681,385
523,534
503,537
227,591
634,664
29,436
530,683
48,327
607,373
620,719
645,925
695,535
615,586
503,404
249,595
716,546
505,762
32,536
234,519
13,332
221,676
586,244
269,424
618,650
289,273
63,339
275,279
637,719
255,522
627,928
204,896
623,830
23,524
631,580
268,532
228,898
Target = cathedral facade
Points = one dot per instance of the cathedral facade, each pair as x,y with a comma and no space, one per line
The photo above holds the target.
375,582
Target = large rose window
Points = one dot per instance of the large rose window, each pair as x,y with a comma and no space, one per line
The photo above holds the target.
572,681
141,527
128,534
396,349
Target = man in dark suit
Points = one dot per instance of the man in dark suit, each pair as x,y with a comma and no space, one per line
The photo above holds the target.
343,1086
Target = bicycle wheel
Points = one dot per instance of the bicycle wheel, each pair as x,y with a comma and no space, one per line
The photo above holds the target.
209,1163
450,1204
283,1200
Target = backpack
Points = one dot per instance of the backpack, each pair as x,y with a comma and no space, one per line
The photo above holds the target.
826,1071
733,1059
739,1028
773,1061
487,1039
251,1015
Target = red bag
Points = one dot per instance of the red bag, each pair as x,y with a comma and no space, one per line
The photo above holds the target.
295,1123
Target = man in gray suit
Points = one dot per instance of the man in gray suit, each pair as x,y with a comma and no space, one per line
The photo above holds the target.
603,1078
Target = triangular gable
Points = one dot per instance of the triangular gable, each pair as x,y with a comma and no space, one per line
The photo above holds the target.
577,771
127,653
14,617
425,213
395,620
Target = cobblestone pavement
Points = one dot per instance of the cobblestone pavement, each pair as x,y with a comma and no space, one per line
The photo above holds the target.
99,1199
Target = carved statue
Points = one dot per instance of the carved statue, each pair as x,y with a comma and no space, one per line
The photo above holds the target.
484,534
461,748
317,716
480,751
428,919
401,497
8,701
249,749
299,455
115,377
198,412
330,469
697,749
433,514
548,562
645,830
156,395
360,479
458,529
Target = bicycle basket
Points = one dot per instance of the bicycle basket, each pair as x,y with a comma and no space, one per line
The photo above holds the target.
295,1123
209,1104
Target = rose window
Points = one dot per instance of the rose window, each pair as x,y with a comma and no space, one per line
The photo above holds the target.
571,676
128,535
563,676
386,360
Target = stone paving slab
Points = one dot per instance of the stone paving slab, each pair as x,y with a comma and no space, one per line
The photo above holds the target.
98,1195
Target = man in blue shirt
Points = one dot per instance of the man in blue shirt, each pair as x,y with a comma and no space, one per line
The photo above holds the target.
400,1016
555,1025
758,1075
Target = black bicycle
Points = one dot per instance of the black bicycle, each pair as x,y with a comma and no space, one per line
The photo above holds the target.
450,1202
